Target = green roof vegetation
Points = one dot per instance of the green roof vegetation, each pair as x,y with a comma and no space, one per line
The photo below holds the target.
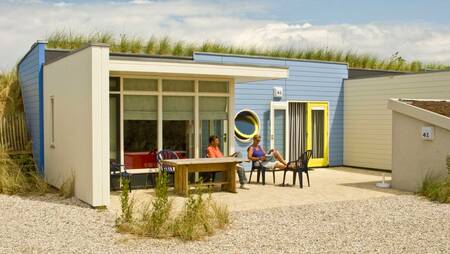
167,46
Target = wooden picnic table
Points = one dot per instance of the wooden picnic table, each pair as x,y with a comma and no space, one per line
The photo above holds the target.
185,166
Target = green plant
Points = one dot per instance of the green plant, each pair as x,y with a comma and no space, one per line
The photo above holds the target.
156,220
17,177
126,204
436,190
167,46
10,95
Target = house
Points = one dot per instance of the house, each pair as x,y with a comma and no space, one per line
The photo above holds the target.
367,120
420,141
87,107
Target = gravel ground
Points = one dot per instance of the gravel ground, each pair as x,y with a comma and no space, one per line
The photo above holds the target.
401,224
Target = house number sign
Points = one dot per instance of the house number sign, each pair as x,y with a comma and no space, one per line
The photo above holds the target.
427,133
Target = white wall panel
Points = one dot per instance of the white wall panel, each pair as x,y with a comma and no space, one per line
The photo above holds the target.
79,85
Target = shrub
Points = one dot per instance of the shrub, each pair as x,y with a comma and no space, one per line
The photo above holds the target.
16,177
437,190
156,220
199,217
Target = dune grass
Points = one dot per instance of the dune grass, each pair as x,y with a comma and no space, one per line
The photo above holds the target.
10,95
198,218
167,46
18,178
437,190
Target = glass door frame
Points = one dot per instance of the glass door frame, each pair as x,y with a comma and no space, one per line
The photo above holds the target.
317,162
310,105
279,105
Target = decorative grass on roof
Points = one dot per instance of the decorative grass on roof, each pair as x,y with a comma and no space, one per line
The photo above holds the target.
167,46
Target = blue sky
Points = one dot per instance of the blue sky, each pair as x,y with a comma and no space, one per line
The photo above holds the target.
416,29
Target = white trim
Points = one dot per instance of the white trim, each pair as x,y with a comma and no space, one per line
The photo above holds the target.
240,73
279,105
121,124
160,117
196,122
231,108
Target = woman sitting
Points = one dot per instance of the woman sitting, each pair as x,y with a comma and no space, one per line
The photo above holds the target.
213,151
272,160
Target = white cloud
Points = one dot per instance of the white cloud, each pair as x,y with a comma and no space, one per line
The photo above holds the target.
23,24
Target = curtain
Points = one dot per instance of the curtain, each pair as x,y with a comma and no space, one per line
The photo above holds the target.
213,108
297,129
178,108
140,107
317,133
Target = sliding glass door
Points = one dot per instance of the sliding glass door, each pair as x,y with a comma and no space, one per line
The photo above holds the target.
149,114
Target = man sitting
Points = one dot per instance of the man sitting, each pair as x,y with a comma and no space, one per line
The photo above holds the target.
213,151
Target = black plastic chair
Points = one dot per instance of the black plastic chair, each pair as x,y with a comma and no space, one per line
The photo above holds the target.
299,167
166,155
256,165
116,174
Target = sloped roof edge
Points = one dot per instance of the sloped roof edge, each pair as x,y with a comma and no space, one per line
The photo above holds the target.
402,107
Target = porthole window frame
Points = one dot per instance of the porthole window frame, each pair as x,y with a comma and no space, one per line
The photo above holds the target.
247,138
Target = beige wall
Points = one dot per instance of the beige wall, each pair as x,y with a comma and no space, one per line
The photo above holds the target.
80,86
414,158
368,122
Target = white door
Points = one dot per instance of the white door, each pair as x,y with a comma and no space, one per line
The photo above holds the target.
279,127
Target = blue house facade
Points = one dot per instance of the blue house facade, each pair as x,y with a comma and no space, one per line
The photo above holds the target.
30,73
308,81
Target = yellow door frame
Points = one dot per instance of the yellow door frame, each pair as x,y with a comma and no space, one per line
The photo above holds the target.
317,162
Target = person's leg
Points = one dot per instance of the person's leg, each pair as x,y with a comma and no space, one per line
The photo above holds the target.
279,165
242,177
279,157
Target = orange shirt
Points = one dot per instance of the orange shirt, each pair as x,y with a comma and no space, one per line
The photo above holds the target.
214,152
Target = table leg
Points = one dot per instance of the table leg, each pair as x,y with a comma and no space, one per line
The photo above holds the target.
185,176
177,179
231,177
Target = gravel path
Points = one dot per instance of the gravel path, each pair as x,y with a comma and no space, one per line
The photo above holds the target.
401,224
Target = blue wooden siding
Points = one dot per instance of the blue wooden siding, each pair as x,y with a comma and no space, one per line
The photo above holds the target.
308,81
30,72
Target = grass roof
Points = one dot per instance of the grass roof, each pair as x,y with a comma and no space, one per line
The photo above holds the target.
167,46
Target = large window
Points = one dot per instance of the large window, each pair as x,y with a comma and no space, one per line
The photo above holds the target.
213,114
178,125
161,113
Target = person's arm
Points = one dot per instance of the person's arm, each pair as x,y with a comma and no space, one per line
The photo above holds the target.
210,154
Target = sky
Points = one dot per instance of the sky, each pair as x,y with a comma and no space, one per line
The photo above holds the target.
417,29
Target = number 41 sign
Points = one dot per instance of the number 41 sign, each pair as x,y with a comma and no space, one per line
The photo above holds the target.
427,133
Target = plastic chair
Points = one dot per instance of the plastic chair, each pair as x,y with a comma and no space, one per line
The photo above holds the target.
299,167
166,155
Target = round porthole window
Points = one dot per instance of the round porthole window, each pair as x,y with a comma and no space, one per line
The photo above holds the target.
246,125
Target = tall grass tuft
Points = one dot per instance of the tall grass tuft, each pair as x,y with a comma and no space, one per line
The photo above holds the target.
437,190
10,95
156,220
17,178
200,216
167,46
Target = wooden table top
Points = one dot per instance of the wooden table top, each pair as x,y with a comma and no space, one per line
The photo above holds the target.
178,162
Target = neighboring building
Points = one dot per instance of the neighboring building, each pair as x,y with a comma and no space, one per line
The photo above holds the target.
420,141
368,122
